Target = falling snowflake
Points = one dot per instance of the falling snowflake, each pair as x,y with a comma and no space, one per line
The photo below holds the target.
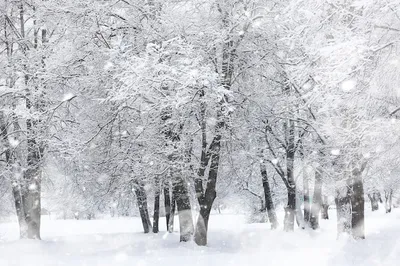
108,66
348,85
13,142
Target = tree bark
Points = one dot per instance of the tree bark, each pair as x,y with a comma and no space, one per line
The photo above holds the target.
306,197
142,204
269,204
156,215
31,192
374,203
32,202
317,200
172,216
290,209
374,199
32,181
357,207
206,198
167,205
18,202
17,184
27,186
388,200
325,208
182,199
299,213
343,209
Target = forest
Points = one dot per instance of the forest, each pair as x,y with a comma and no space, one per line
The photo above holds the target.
179,112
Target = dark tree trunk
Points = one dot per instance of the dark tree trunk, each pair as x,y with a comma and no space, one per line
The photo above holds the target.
299,213
306,197
180,194
325,208
183,205
26,192
200,236
290,209
357,207
18,201
16,184
31,198
343,209
306,189
269,204
32,202
374,198
206,198
317,200
172,216
388,200
32,181
156,215
374,203
142,204
167,205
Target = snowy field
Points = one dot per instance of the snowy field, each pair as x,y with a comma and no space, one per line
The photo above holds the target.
231,242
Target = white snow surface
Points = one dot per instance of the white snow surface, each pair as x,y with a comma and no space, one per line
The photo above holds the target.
119,242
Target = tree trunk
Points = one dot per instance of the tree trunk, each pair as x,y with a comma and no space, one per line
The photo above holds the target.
206,198
325,208
35,148
388,200
290,209
299,214
142,204
374,199
167,205
343,209
317,200
172,216
200,236
32,202
16,184
357,207
374,203
182,199
206,202
306,197
269,204
18,201
156,215
32,181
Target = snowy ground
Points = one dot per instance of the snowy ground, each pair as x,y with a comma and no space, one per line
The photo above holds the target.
231,242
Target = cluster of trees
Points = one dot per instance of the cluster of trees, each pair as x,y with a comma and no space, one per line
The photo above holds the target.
196,102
